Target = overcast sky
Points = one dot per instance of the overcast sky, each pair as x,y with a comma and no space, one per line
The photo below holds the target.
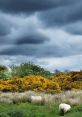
46,32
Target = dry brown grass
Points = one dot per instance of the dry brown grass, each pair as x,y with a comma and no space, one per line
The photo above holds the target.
70,97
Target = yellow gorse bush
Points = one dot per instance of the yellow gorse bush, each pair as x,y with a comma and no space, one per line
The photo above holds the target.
58,82
68,81
32,82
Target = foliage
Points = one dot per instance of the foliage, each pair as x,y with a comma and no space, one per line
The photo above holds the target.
32,82
68,81
28,76
29,69
5,75
3,68
4,115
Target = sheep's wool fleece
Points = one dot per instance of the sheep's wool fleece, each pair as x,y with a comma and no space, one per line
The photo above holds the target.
36,98
65,107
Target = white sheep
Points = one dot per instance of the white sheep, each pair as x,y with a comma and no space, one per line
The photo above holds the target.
64,108
36,99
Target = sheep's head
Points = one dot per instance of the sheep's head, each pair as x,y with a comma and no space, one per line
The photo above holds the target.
62,112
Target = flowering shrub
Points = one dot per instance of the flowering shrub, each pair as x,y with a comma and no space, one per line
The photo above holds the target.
32,82
68,81
37,83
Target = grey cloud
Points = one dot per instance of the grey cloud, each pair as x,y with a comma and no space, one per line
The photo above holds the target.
20,50
31,5
35,38
25,5
10,60
57,51
62,15
26,38
43,50
74,28
20,30
3,29
5,26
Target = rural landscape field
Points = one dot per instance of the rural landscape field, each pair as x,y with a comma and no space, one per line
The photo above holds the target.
40,58
18,83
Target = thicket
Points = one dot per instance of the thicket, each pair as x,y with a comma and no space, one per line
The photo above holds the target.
29,69
32,82
28,76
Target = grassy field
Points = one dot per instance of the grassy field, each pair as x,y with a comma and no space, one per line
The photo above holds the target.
18,85
32,110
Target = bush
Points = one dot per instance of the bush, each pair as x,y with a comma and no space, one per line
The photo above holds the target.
69,81
4,75
16,113
3,68
32,82
29,69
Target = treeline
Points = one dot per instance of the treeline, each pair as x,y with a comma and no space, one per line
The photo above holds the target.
22,70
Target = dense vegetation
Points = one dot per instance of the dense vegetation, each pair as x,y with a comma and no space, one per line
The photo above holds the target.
29,69
32,77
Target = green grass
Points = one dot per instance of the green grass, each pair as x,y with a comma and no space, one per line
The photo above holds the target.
31,110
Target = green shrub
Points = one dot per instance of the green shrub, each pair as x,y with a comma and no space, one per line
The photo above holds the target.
3,68
29,69
5,75
16,113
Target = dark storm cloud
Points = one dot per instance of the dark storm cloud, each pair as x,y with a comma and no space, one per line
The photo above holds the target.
43,50
32,39
59,51
26,35
62,15
20,50
31,5
5,26
26,5
3,30
74,28
57,12
39,51
66,16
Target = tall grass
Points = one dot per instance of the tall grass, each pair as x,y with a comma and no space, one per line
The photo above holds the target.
70,97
